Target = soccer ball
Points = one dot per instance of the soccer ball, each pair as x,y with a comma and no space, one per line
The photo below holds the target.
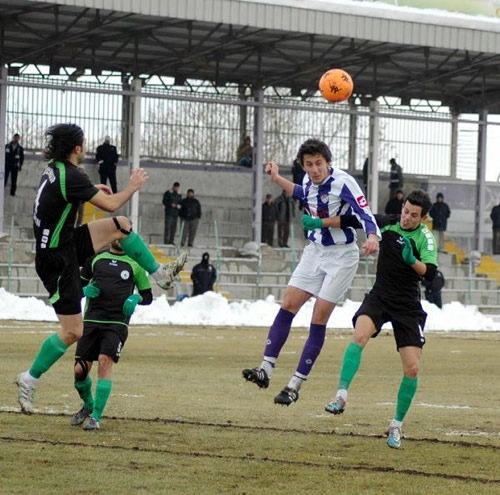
336,85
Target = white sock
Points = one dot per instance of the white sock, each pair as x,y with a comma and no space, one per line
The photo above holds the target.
156,274
30,380
296,381
268,365
342,392
396,424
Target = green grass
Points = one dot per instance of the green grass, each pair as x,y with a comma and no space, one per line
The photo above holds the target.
182,420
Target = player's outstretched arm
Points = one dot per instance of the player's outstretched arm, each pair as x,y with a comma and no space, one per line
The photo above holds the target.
112,202
273,170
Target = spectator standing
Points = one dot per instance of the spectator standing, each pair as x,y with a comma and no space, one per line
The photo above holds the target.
14,159
285,211
269,215
107,158
171,201
495,218
433,289
396,180
440,212
244,154
395,205
203,276
190,214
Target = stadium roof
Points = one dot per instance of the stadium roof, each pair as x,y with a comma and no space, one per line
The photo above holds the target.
287,43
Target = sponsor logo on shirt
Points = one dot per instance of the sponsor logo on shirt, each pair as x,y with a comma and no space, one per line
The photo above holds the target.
361,200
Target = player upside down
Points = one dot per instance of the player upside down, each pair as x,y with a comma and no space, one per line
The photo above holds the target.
328,263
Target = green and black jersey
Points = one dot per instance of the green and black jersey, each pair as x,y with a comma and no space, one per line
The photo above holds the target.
63,187
116,276
397,281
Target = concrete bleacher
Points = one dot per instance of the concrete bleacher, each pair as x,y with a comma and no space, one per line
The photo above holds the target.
225,195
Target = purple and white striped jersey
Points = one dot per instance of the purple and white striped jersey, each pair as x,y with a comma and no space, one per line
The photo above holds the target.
339,194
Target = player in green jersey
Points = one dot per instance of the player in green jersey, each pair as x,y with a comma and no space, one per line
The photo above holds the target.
109,279
407,253
61,248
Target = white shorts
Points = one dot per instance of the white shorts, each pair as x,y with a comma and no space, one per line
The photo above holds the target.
326,271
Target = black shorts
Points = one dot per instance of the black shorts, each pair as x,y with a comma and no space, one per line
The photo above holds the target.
407,318
59,270
101,339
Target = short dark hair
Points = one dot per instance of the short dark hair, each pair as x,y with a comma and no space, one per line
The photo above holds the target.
176,184
314,147
16,135
439,195
269,196
420,198
191,190
61,140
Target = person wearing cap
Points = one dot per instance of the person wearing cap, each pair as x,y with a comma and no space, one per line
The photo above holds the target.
203,276
107,158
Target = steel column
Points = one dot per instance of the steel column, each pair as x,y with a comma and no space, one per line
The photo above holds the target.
3,122
134,145
243,109
257,163
373,155
454,145
353,137
480,211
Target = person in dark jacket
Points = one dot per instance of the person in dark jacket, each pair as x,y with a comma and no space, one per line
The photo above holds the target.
107,158
14,159
286,211
396,180
190,214
269,215
395,205
172,203
433,289
440,212
203,276
495,218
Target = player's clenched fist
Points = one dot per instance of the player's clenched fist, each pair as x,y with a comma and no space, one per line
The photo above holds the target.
138,178
272,169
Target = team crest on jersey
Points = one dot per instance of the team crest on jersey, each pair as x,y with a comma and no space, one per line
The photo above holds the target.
324,198
125,275
361,200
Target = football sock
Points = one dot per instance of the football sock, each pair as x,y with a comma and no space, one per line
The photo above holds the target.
312,348
136,248
102,392
350,365
268,364
84,389
278,333
296,381
407,391
50,351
